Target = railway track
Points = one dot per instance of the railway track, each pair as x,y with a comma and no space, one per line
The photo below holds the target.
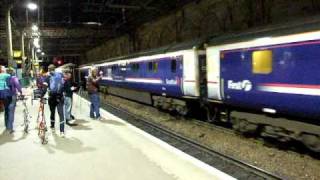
225,163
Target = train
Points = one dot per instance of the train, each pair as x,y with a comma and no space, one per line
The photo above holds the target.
264,82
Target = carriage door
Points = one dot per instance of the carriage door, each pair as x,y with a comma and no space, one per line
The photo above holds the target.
203,75
213,74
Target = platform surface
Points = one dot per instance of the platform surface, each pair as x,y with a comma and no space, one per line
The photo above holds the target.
108,149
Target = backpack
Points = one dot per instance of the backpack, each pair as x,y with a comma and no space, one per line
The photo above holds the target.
9,82
56,83
6,92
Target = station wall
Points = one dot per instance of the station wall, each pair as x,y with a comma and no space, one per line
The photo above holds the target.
205,18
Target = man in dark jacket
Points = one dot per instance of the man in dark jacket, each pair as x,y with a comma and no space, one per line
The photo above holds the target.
68,92
56,100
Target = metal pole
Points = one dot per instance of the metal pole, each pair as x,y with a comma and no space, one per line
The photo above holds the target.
9,38
22,51
39,12
33,55
27,17
22,45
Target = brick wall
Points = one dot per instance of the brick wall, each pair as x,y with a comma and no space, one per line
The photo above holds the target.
203,19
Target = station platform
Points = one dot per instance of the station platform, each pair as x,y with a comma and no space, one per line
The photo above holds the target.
107,149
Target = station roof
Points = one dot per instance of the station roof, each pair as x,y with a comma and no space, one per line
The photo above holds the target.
71,27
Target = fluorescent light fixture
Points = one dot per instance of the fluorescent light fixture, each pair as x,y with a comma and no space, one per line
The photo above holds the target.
32,6
35,28
93,23
36,42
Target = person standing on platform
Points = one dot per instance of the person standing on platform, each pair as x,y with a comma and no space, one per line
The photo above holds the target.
41,82
56,100
15,88
5,95
68,92
93,91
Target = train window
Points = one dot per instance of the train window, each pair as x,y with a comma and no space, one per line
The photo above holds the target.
135,67
262,62
174,66
150,66
114,68
155,67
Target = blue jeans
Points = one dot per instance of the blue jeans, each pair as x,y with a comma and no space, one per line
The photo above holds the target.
11,108
6,103
67,107
95,105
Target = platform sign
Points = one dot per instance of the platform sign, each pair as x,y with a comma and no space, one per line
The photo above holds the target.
17,54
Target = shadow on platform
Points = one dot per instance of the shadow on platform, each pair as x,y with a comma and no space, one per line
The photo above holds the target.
67,145
10,138
112,122
80,125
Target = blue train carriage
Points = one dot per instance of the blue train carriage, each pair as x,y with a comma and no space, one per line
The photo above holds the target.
167,80
83,73
274,75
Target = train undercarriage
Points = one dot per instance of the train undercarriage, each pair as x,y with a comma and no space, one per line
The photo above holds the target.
279,128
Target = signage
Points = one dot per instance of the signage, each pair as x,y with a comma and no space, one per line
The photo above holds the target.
17,54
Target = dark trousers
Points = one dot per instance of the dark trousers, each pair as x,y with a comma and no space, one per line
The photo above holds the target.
56,101
6,103
12,108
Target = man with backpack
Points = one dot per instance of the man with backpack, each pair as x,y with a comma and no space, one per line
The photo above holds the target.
56,100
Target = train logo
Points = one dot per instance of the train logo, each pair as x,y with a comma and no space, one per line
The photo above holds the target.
244,85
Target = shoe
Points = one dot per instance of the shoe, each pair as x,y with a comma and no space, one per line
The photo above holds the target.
62,134
52,129
72,117
11,131
72,121
68,122
99,118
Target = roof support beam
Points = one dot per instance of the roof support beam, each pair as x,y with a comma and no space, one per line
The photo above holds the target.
129,7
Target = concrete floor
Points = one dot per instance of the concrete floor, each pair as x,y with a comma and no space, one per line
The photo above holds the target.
110,149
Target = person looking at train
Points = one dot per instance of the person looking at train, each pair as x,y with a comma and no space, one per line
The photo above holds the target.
68,92
5,96
15,88
93,90
56,100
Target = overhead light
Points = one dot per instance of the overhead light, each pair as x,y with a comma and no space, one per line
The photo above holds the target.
43,53
32,6
93,23
35,28
38,50
36,42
